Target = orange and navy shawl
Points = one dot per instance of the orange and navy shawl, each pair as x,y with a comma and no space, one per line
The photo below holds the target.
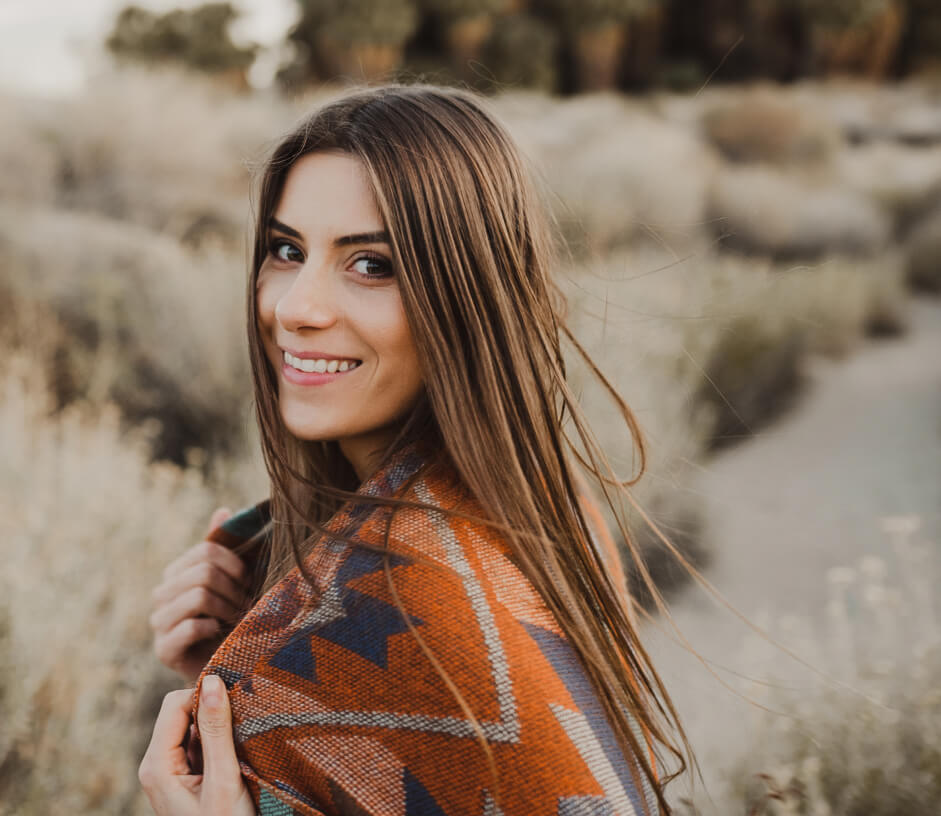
337,710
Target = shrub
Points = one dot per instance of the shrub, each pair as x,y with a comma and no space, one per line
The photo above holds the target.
924,43
874,745
924,255
753,376
591,13
197,38
839,300
348,22
160,148
842,13
905,182
758,126
460,9
86,527
631,177
760,210
632,312
147,325
521,52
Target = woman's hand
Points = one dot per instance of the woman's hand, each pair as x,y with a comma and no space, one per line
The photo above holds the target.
165,774
203,588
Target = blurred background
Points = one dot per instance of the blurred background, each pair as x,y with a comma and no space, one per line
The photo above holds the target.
748,204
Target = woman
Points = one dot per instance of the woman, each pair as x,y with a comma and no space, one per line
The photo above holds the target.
437,631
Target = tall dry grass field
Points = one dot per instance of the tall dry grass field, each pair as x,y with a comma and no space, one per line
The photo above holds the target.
703,268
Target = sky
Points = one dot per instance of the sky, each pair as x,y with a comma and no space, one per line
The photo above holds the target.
48,46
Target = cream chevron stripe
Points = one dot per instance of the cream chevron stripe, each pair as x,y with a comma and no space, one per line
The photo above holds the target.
583,738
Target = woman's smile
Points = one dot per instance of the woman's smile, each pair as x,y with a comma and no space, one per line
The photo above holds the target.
330,312
315,368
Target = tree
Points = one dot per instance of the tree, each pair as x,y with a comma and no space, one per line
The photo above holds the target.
360,38
197,38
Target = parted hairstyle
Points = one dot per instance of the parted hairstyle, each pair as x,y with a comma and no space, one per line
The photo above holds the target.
473,254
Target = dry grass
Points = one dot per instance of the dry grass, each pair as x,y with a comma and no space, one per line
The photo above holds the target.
874,746
149,325
617,174
87,526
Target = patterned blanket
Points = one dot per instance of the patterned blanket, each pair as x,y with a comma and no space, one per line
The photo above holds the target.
337,710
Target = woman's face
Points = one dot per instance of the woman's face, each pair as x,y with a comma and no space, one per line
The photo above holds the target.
330,313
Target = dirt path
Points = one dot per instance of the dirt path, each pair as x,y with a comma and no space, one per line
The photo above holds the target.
805,496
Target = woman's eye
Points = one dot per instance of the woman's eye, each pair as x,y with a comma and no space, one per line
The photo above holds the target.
284,251
370,267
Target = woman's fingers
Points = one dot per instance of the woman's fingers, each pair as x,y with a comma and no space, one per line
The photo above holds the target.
165,755
170,647
219,515
223,790
204,574
211,552
193,603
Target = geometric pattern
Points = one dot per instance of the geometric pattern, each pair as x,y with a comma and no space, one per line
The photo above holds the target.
339,707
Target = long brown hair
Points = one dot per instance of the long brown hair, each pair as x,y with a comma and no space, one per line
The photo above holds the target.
473,254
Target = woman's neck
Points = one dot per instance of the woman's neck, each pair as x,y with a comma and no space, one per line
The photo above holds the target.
365,452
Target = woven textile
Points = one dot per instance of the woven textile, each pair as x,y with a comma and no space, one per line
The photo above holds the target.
337,710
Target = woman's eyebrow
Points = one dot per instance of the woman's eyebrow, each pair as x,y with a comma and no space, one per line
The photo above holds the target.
381,237
274,223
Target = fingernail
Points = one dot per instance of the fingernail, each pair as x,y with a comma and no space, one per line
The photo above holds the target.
212,690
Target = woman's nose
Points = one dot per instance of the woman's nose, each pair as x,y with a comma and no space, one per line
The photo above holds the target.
308,302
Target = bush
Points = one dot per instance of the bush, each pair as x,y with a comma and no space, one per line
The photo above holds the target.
162,149
630,178
521,52
924,255
760,210
145,324
753,376
840,14
461,9
872,746
905,182
86,527
590,13
197,38
630,312
759,126
348,22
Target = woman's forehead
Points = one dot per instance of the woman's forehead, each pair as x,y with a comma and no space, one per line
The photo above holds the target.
329,191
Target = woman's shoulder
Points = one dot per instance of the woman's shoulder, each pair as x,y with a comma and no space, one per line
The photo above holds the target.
425,639
447,526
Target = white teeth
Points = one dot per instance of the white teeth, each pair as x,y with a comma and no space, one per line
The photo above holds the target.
319,366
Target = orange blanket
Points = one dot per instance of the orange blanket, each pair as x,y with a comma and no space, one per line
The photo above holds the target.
337,710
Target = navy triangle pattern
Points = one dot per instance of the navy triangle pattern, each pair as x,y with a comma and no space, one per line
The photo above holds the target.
362,562
418,801
367,626
296,657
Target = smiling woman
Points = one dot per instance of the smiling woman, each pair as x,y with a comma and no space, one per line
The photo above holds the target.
436,625
331,315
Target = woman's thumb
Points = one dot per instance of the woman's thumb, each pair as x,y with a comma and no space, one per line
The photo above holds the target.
221,773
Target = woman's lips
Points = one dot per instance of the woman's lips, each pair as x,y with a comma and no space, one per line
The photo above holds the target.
292,375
